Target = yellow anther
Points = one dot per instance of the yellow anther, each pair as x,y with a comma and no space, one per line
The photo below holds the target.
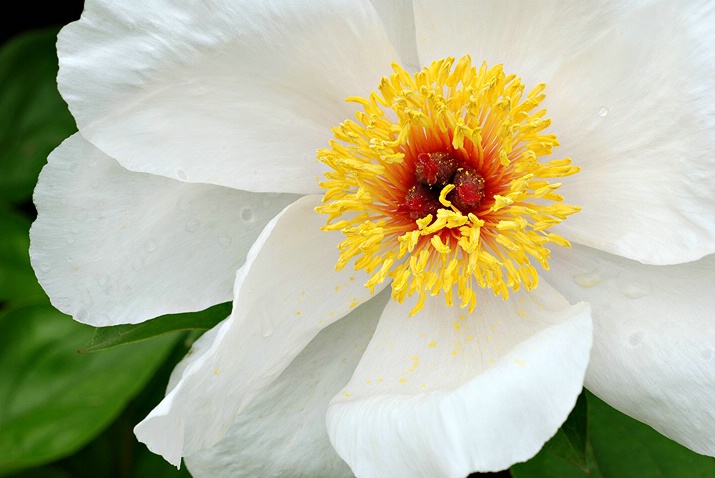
483,237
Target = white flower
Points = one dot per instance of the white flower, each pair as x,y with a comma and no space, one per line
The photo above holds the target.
192,115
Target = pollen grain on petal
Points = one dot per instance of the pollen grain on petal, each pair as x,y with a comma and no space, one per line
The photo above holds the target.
438,184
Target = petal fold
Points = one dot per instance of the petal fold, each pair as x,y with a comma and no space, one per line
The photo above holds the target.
111,246
445,393
287,292
283,432
654,355
233,93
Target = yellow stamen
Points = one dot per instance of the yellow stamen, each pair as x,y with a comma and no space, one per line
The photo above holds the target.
404,209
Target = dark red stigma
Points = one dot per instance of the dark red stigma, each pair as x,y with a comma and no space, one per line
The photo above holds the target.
433,171
468,190
420,201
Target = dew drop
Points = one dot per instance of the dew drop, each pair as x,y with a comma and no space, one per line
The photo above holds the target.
192,225
602,111
150,245
254,171
70,240
137,263
225,241
587,279
246,214
635,339
181,174
266,327
634,291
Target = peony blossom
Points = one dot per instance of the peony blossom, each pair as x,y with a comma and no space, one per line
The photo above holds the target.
193,180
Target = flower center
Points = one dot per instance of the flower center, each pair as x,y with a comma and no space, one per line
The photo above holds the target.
438,185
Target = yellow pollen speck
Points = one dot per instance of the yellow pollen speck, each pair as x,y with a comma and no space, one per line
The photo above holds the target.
432,344
402,380
217,371
456,326
448,191
347,394
520,363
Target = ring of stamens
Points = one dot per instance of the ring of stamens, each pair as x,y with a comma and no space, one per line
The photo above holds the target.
438,184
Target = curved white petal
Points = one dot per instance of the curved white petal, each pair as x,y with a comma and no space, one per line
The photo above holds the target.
636,110
399,22
287,291
443,394
654,339
283,432
110,246
531,39
234,93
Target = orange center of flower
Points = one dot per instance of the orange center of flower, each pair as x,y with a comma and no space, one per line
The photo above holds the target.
438,185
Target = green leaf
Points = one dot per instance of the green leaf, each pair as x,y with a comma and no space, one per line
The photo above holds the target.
17,280
626,447
34,117
547,465
54,400
619,446
109,337
570,441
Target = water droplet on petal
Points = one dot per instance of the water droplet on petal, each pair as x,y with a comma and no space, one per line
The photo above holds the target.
602,111
266,327
70,240
246,214
634,291
254,171
587,279
181,174
150,245
192,225
635,339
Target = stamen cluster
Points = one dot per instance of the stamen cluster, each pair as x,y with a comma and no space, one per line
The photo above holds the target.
438,184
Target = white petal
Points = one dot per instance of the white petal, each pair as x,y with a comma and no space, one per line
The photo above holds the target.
654,339
234,93
531,39
442,394
283,432
287,291
399,22
111,246
636,110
